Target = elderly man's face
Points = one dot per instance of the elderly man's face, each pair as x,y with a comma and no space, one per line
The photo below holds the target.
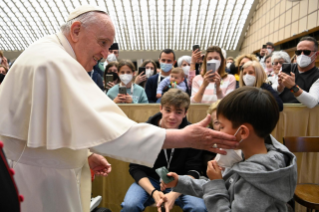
93,42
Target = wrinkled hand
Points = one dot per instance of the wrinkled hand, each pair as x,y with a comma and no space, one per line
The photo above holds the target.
287,80
140,78
198,136
170,184
99,165
213,170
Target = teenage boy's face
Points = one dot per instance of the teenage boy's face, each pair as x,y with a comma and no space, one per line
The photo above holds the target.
172,117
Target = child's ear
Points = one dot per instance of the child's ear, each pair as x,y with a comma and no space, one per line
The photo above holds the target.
245,131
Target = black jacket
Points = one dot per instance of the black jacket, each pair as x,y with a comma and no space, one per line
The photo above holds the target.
185,161
274,93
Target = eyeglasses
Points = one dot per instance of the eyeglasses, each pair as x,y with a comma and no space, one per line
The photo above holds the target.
305,52
276,63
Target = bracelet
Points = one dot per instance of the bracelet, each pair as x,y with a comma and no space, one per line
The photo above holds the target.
153,192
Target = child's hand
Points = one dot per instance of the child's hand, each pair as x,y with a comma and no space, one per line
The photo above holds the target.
213,170
158,95
171,184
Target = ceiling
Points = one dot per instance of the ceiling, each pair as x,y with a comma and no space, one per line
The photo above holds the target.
139,24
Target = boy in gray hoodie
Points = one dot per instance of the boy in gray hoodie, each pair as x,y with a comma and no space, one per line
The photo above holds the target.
266,178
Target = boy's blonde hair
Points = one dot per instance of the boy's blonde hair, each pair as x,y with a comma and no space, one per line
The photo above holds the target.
261,76
211,109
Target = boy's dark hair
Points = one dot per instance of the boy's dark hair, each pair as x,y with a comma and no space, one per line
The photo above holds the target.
250,105
176,98
309,38
167,51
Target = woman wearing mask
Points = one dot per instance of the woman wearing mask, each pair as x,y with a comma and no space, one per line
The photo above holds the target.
111,68
185,63
150,70
253,74
134,93
210,86
277,59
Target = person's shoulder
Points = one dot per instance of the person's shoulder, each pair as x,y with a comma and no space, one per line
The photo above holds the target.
198,77
138,87
266,86
115,88
153,77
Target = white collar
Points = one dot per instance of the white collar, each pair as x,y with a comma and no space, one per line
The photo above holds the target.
66,44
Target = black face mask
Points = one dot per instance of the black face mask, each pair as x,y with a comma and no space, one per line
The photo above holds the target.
2,77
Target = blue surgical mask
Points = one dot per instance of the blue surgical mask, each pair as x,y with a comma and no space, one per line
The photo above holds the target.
166,67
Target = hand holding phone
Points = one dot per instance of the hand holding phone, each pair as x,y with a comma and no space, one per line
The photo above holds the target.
286,68
122,90
162,173
141,70
196,47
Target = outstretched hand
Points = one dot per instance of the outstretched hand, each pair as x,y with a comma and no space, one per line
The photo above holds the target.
201,137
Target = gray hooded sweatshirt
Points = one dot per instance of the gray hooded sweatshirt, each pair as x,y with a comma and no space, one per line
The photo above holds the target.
263,182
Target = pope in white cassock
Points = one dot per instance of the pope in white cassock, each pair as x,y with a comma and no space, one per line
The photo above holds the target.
52,114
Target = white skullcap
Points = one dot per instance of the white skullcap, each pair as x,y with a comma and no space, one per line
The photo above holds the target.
83,9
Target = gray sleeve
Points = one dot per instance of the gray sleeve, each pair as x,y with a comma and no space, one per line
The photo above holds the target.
246,198
189,186
182,86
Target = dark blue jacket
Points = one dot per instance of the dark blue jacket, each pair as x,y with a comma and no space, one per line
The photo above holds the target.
97,78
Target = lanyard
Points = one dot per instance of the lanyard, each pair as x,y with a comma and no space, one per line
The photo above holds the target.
170,157
159,78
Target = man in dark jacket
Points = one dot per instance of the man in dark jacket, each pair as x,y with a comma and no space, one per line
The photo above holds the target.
146,189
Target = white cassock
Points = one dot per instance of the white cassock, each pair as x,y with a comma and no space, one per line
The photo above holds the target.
51,113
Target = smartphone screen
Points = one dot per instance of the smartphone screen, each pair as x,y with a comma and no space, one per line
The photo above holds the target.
286,68
264,47
141,69
211,67
196,47
109,78
122,90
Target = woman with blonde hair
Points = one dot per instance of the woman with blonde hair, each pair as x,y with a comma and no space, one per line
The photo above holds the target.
253,74
210,86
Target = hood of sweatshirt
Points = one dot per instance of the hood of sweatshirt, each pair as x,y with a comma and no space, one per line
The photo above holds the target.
273,172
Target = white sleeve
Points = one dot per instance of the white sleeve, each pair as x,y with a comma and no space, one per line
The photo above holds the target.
311,98
140,144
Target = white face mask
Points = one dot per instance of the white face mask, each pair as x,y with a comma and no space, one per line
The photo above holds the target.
186,69
232,156
149,73
111,58
269,51
304,60
228,65
126,78
217,62
249,80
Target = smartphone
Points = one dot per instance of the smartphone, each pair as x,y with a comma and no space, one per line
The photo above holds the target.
162,173
211,67
286,68
141,69
264,46
122,90
108,78
196,47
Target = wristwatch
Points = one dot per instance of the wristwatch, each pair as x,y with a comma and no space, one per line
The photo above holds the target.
294,89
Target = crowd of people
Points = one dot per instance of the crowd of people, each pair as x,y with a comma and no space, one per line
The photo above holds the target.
297,82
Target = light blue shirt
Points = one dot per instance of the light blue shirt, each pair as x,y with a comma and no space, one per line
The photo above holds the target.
138,96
